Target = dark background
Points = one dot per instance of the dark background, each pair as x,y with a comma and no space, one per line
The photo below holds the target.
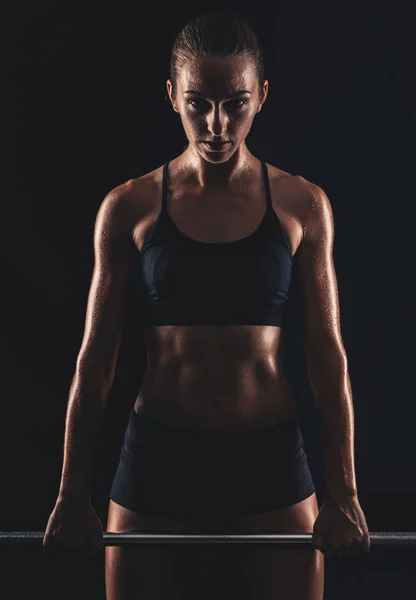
89,112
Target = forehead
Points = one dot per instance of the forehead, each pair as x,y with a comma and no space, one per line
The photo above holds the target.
218,75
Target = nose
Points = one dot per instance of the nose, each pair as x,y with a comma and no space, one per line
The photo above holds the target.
216,121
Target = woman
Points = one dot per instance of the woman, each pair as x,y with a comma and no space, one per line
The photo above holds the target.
213,441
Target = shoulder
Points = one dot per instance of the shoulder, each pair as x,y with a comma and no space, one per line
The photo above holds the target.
305,202
293,186
309,201
317,215
313,208
296,185
129,202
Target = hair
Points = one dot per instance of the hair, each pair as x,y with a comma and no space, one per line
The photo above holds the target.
216,33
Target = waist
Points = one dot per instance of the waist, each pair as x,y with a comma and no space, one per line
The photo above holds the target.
215,403
183,434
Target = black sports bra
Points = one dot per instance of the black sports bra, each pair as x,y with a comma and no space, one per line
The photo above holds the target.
188,282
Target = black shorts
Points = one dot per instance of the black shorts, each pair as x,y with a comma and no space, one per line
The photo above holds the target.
189,474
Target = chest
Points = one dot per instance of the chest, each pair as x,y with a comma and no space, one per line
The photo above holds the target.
219,221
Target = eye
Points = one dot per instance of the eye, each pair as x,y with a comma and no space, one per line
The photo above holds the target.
238,100
195,100
233,100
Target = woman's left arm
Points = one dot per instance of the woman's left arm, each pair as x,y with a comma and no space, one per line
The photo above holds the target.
325,354
328,369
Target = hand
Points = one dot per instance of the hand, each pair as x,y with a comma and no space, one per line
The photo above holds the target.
341,528
74,530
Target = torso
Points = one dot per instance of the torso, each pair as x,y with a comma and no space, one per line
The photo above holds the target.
227,378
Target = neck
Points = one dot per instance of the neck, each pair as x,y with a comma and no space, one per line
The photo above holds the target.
212,176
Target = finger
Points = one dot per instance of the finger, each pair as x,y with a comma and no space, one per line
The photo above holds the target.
362,546
359,547
318,541
47,548
330,548
48,544
337,551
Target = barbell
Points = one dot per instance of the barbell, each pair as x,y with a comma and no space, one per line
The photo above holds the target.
381,538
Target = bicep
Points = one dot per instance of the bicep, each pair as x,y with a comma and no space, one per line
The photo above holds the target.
318,279
107,294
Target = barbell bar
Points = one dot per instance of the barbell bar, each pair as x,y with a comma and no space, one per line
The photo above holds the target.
381,538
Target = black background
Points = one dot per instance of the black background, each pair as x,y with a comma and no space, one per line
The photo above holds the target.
89,111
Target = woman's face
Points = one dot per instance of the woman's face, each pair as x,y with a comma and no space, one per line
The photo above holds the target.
217,99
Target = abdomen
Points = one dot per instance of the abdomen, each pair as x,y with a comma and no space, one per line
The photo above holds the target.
219,378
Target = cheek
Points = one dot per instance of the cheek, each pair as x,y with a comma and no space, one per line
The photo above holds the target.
244,122
193,122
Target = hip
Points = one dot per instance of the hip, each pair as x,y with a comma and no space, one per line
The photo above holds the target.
165,470
219,451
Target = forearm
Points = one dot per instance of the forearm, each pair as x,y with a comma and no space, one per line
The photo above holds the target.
332,389
83,421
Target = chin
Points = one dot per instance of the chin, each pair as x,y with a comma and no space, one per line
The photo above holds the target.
216,159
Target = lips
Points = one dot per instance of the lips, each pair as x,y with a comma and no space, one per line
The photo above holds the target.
216,145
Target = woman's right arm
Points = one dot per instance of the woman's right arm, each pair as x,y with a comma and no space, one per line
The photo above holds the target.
97,357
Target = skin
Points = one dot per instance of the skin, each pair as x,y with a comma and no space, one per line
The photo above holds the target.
234,372
217,197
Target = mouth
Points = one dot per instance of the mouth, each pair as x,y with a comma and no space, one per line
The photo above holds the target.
215,146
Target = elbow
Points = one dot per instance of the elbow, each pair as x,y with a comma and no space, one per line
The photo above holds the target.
96,372
328,378
324,347
325,362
